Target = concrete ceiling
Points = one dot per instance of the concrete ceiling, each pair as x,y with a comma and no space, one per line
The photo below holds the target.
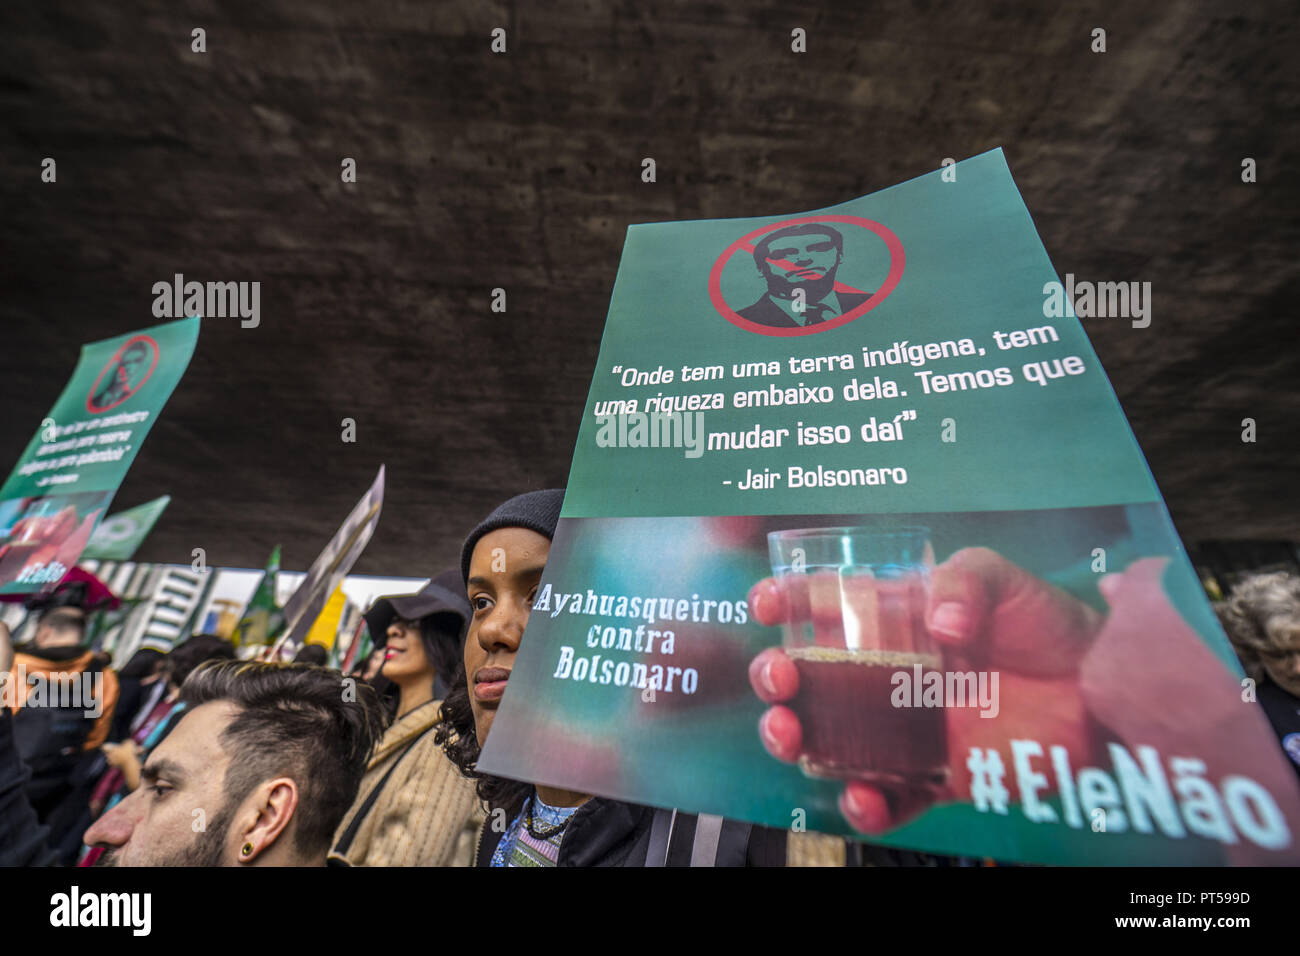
522,171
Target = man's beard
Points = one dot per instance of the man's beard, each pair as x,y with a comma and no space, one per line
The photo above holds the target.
814,289
206,850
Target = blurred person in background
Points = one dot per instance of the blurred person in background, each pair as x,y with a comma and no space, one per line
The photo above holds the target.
142,685
414,807
23,840
313,654
1262,619
370,670
63,700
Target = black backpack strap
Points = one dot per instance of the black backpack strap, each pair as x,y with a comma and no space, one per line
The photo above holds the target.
661,833
708,831
714,841
345,841
720,842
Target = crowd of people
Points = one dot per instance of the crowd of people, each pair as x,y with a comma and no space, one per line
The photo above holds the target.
196,757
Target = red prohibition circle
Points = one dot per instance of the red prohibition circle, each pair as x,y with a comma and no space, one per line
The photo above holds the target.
112,363
896,262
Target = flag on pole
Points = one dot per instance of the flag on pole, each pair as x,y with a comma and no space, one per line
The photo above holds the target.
358,648
262,619
329,569
119,535
326,628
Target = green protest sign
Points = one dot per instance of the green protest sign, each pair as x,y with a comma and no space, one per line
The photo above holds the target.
71,468
119,535
262,620
858,540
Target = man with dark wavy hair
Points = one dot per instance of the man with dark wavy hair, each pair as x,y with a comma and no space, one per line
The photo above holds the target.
260,771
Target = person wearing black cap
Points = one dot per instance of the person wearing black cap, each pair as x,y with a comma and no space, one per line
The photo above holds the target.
502,563
413,808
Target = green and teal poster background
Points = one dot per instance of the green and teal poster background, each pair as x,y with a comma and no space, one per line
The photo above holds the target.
65,479
942,391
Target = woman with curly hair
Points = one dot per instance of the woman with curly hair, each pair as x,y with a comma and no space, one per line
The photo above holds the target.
1262,618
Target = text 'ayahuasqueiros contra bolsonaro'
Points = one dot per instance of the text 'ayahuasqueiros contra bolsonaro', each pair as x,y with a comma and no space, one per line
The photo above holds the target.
608,666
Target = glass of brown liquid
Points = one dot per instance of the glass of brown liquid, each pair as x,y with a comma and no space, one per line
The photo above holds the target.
855,600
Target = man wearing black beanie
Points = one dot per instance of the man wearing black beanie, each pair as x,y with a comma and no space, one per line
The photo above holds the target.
502,563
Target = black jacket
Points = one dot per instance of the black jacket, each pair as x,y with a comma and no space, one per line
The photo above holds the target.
610,833
23,841
1283,712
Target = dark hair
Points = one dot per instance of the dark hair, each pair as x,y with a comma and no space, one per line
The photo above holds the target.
190,653
142,664
313,654
68,594
443,638
388,693
807,229
294,720
457,737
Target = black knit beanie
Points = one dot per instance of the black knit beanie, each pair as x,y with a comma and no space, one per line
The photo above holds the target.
537,511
